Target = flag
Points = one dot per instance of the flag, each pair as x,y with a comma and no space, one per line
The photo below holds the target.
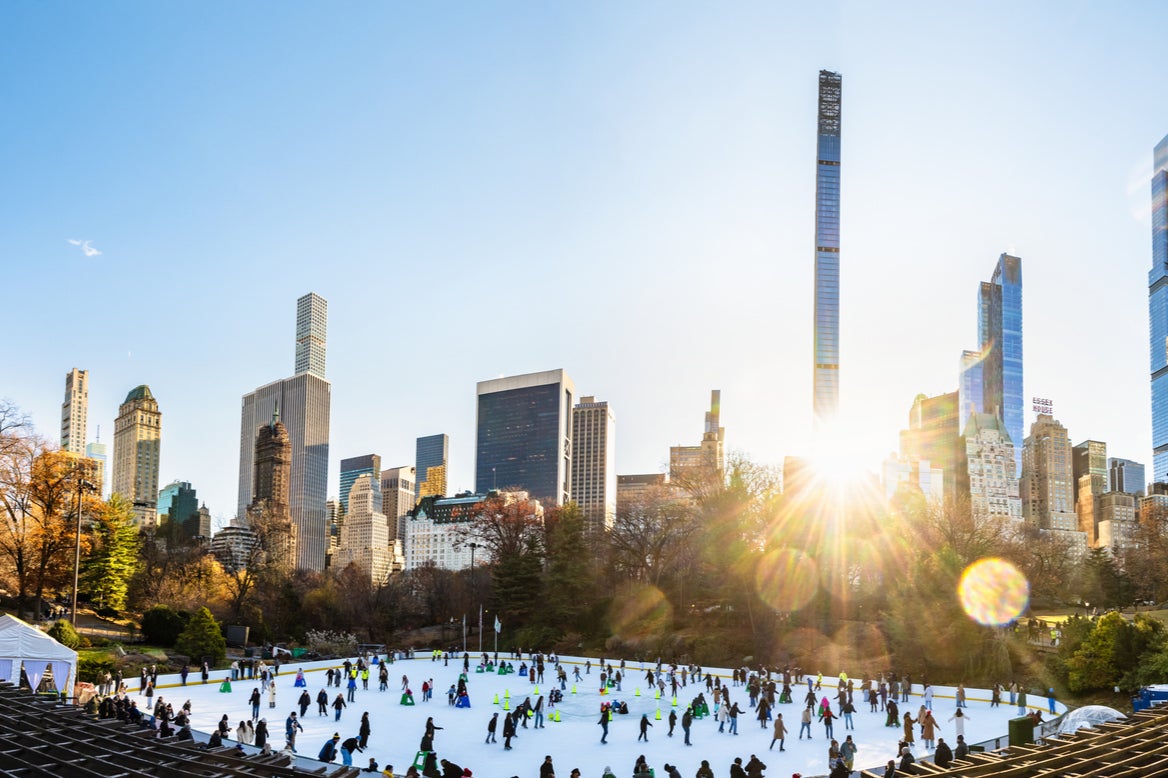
498,625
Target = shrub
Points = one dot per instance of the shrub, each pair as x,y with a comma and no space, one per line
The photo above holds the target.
161,625
324,641
64,634
92,669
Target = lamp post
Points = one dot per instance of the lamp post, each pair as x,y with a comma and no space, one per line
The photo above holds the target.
82,485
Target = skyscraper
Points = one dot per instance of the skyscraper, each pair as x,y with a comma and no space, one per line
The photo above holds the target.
311,329
594,463
1048,482
969,389
431,459
1158,312
269,513
75,412
524,435
986,469
690,467
933,437
97,452
1000,330
303,403
398,497
827,246
137,446
1124,475
364,539
355,467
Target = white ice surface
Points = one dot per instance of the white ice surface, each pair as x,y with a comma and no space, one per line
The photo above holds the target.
574,741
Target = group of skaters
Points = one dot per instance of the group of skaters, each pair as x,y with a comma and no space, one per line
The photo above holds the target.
764,690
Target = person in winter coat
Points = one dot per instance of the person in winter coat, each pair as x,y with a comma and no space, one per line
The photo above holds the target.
364,730
547,770
603,725
509,732
754,767
908,727
962,749
686,723
672,722
907,760
848,751
348,746
339,705
328,752
645,724
736,770
291,725
827,717
805,723
929,730
944,755
254,699
959,718
704,771
305,701
491,727
262,734
780,733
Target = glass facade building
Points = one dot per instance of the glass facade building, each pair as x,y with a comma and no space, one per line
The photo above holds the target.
1124,475
355,467
1000,329
431,455
1158,313
827,233
970,388
524,435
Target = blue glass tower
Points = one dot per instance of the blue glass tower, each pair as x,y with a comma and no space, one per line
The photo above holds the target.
1158,313
1000,327
827,205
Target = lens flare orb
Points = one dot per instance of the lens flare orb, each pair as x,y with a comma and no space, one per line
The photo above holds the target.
993,592
786,579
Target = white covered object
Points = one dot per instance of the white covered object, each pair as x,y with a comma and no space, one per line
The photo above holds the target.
21,642
1088,716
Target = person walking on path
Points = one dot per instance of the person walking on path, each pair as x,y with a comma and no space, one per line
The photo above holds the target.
645,724
780,733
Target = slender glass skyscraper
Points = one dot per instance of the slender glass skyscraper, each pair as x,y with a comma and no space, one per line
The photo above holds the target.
1158,312
827,205
999,325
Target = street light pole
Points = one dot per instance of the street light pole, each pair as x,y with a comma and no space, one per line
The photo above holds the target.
81,486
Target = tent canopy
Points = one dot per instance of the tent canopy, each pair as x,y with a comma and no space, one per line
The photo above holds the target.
21,642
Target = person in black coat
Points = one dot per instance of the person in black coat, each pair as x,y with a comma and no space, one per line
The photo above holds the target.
755,767
508,732
492,725
364,730
736,770
645,724
261,736
450,769
943,757
305,701
322,702
547,770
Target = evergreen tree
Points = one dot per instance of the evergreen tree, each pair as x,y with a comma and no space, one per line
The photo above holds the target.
202,638
107,570
569,590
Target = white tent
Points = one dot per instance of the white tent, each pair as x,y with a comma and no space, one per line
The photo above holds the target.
22,644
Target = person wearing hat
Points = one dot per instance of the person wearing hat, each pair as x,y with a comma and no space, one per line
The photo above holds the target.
347,748
328,752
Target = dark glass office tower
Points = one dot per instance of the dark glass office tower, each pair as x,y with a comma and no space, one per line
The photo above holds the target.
999,324
827,205
1158,313
524,435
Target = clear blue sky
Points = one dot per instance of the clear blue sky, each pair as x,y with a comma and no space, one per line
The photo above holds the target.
624,190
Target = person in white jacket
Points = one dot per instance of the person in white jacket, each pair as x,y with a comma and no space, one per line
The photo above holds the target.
959,718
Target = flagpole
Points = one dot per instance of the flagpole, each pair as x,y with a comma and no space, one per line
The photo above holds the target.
464,633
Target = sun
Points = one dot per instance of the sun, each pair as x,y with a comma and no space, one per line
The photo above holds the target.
836,461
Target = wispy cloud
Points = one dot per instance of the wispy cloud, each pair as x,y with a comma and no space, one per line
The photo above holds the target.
89,250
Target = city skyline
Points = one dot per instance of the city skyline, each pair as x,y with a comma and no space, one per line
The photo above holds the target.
552,155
